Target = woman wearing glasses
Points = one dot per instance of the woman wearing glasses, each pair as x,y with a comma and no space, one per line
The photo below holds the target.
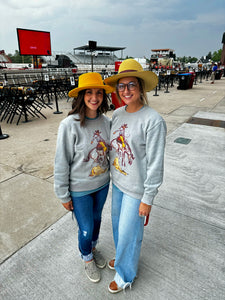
137,145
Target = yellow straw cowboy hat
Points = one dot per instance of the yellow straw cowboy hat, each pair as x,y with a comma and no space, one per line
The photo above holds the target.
90,81
132,68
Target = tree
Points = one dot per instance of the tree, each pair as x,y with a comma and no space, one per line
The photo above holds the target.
202,58
216,56
182,59
128,57
209,55
17,58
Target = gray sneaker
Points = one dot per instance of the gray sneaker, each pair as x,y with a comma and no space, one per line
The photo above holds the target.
92,271
99,259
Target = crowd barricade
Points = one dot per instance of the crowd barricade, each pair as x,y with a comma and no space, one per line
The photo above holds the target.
25,95
168,78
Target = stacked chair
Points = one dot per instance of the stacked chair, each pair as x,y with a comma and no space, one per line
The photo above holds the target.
19,101
24,96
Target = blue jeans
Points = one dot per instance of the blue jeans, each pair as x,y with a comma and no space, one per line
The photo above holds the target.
88,213
128,228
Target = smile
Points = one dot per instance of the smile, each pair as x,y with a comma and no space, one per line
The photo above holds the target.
127,97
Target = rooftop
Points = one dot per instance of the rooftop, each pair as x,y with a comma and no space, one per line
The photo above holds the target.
162,50
100,48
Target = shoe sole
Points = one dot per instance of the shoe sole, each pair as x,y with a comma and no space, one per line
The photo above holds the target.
100,266
93,280
115,291
110,267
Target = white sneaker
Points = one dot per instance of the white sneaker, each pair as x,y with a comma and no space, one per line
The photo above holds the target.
92,271
99,259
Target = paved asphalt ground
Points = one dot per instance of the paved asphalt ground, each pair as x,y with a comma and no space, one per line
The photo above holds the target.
183,253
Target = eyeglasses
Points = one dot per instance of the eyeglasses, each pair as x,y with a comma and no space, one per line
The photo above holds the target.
131,86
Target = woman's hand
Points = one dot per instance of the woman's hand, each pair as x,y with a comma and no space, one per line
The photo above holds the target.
144,209
68,205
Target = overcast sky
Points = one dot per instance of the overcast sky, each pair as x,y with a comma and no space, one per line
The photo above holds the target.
192,27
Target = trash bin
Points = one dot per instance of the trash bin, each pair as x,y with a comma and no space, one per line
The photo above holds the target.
191,79
184,81
218,74
116,102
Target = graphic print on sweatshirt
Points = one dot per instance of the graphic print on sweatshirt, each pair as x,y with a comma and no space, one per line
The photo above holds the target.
98,154
124,154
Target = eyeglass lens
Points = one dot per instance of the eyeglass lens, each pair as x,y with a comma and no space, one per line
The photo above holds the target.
130,86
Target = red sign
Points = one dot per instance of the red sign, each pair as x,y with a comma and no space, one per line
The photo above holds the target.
34,42
117,65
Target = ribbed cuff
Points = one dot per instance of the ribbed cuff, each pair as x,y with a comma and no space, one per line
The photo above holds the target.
147,199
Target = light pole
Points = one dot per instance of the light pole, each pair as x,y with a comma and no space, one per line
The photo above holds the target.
92,48
91,61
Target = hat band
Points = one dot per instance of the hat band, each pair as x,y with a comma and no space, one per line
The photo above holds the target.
126,71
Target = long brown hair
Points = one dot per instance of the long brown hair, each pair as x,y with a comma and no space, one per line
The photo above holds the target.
143,95
79,107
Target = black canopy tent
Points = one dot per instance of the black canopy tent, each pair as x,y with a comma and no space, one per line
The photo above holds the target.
92,47
99,48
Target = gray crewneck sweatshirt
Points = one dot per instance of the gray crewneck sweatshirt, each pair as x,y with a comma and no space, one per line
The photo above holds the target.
137,143
81,160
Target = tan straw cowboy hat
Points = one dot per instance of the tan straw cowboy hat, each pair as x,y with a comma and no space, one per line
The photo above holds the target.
90,81
131,68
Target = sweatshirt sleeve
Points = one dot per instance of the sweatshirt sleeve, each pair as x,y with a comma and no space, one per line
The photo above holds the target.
155,145
63,158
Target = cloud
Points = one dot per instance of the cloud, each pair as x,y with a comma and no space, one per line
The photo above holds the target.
26,4
139,26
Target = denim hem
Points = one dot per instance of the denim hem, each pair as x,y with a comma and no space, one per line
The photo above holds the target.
87,257
120,282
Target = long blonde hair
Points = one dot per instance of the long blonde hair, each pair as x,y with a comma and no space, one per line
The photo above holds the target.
143,95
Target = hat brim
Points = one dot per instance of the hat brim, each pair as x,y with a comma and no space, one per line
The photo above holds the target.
150,79
74,93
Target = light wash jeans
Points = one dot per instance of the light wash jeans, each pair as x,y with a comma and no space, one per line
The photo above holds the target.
128,228
88,212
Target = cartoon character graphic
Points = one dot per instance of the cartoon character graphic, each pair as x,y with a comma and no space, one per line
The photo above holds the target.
98,154
123,149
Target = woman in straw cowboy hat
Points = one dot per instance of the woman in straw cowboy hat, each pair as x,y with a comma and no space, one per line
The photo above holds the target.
81,165
137,143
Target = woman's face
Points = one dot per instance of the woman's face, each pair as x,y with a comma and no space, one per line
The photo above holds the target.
93,99
129,90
